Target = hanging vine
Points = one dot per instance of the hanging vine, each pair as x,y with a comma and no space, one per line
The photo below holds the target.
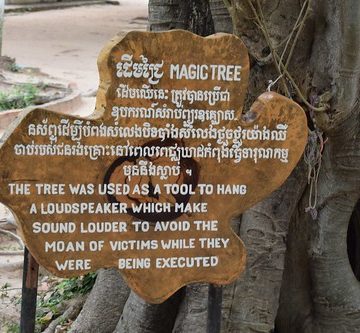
280,55
281,62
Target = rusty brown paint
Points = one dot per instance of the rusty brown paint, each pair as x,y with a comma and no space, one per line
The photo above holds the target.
263,177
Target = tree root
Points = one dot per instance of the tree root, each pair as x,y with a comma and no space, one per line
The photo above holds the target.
192,313
103,307
141,317
71,313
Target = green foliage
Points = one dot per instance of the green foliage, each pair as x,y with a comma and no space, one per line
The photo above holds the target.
48,307
18,97
13,67
4,290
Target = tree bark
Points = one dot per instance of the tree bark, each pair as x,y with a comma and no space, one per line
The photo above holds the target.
138,316
104,305
327,60
192,15
255,296
192,314
298,272
141,317
221,16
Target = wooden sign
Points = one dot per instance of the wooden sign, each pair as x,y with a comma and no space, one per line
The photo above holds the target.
150,182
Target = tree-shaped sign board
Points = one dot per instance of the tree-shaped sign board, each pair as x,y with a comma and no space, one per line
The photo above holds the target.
150,182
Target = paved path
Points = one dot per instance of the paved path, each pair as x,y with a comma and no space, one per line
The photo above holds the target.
66,42
63,43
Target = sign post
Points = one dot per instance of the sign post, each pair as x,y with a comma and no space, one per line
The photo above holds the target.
214,309
150,182
29,293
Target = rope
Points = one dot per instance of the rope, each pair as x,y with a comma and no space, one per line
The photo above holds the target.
290,36
272,83
281,67
260,20
314,149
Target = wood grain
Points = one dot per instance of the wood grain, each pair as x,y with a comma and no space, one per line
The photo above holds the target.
261,178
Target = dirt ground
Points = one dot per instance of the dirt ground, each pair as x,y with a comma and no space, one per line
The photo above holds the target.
63,43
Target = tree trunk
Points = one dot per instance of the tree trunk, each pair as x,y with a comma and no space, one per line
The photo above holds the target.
221,16
255,296
192,15
104,305
320,292
141,317
192,314
298,271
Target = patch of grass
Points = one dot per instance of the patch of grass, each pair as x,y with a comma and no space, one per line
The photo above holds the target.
18,97
48,306
4,290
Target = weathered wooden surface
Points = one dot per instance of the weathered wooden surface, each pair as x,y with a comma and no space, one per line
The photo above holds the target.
261,177
29,293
